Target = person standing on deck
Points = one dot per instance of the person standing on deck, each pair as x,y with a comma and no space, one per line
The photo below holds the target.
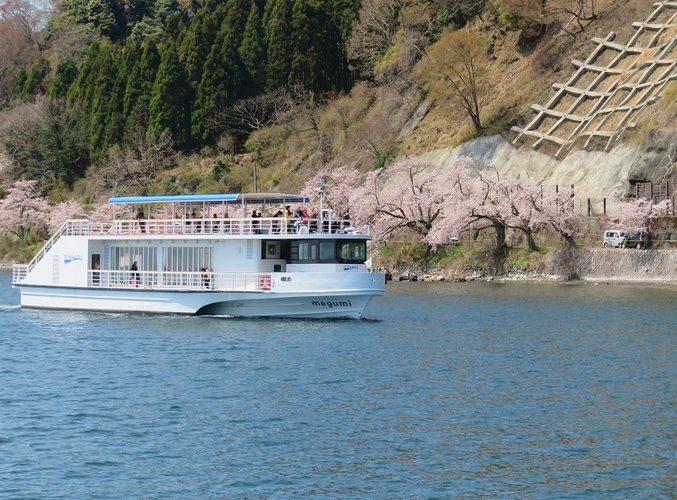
135,274
140,217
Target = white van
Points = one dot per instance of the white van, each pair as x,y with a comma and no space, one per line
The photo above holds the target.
614,238
620,239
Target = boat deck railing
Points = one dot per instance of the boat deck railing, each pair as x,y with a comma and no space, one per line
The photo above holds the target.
232,227
19,272
181,281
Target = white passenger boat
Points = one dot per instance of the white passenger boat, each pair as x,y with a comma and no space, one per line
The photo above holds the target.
218,265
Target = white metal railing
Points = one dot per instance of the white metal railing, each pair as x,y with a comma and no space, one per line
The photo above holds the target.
234,227
166,280
19,272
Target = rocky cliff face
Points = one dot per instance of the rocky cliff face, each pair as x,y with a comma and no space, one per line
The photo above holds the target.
595,175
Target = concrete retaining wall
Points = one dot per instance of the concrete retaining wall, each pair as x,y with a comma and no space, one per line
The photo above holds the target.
628,265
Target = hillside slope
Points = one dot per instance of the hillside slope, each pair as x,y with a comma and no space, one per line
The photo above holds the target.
421,119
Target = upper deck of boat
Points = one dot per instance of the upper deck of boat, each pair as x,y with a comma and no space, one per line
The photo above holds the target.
209,227
246,225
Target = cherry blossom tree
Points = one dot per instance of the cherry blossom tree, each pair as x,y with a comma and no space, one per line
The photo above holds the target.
339,188
556,211
475,202
439,204
106,212
637,216
64,211
409,194
23,209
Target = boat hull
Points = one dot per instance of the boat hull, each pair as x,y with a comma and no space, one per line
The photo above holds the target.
343,304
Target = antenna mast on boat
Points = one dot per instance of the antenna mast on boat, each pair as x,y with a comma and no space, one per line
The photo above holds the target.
321,192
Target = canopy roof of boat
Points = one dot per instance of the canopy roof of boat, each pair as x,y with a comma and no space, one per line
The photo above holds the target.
214,199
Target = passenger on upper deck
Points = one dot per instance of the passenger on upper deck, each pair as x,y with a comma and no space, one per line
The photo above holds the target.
276,224
255,223
287,218
197,224
140,216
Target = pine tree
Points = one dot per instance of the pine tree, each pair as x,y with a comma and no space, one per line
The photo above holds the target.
223,76
100,104
280,48
199,40
252,53
101,13
35,82
142,77
345,12
114,114
81,92
65,75
169,106
317,63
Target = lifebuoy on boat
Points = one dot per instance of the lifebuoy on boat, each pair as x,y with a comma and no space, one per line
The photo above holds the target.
265,283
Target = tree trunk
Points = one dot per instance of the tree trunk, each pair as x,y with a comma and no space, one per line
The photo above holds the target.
500,235
530,239
570,240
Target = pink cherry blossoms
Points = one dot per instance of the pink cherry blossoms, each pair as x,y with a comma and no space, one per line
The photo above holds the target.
439,204
23,210
636,216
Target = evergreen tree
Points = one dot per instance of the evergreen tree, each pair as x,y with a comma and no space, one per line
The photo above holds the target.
164,9
115,110
267,12
223,76
142,77
101,14
136,10
175,28
199,40
280,48
64,76
35,81
317,64
252,53
100,104
135,126
139,93
75,10
169,106
345,12
81,92
19,82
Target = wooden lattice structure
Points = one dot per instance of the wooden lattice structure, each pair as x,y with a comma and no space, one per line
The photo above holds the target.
611,87
655,192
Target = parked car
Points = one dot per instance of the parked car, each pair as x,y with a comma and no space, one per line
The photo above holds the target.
620,239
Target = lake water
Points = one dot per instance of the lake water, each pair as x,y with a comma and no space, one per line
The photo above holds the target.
448,391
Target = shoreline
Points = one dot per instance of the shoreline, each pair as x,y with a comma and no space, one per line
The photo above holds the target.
538,279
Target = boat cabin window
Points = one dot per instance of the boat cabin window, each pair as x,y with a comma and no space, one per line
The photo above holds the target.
352,251
329,251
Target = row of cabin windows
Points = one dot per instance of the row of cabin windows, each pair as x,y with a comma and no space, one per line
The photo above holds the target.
186,259
174,259
330,251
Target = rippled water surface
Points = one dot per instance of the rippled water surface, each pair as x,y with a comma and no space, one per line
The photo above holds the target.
464,391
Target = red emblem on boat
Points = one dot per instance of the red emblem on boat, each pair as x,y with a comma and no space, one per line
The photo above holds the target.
265,283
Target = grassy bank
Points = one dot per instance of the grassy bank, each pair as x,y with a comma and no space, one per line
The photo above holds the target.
456,262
